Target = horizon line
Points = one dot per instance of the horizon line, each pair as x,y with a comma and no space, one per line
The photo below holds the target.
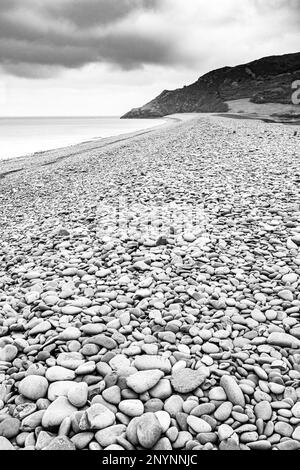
61,116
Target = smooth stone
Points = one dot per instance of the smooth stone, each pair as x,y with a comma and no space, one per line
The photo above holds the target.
296,434
186,380
289,444
143,293
217,393
203,409
162,390
69,310
58,373
70,360
59,389
70,272
198,425
263,410
258,316
232,390
30,275
224,411
8,353
57,412
103,272
51,300
286,295
5,444
210,348
82,439
99,417
290,278
70,334
31,297
284,429
9,427
172,433
260,445
60,443
247,437
182,439
104,341
82,302
148,430
131,407
119,361
78,394
143,381
189,237
44,439
163,444
92,329
277,389
173,405
33,387
229,445
296,240
164,420
296,410
225,432
141,266
31,422
283,340
42,327
109,435
112,395
114,447
152,362
153,405
131,431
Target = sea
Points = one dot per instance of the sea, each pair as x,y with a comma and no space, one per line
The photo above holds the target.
24,136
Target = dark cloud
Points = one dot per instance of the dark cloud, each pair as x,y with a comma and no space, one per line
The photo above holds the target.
87,13
40,37
127,50
73,33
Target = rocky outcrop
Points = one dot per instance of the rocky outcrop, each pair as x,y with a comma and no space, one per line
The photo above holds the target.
262,81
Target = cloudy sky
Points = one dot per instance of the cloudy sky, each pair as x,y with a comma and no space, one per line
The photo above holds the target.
103,57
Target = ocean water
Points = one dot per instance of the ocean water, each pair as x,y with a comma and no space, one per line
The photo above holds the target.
25,136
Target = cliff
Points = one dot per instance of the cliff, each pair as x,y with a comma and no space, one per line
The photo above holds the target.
262,81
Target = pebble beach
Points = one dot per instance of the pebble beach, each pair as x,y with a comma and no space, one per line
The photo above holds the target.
149,291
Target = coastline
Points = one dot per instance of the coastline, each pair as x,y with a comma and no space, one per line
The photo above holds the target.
16,164
79,157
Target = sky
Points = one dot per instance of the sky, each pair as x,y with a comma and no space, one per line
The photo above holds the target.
104,57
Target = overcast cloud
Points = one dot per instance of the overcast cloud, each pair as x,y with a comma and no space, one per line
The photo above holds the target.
138,40
52,34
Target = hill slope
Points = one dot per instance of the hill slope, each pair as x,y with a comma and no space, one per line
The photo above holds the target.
262,81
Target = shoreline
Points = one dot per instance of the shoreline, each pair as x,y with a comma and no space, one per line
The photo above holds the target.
85,140
82,142
76,149
57,154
